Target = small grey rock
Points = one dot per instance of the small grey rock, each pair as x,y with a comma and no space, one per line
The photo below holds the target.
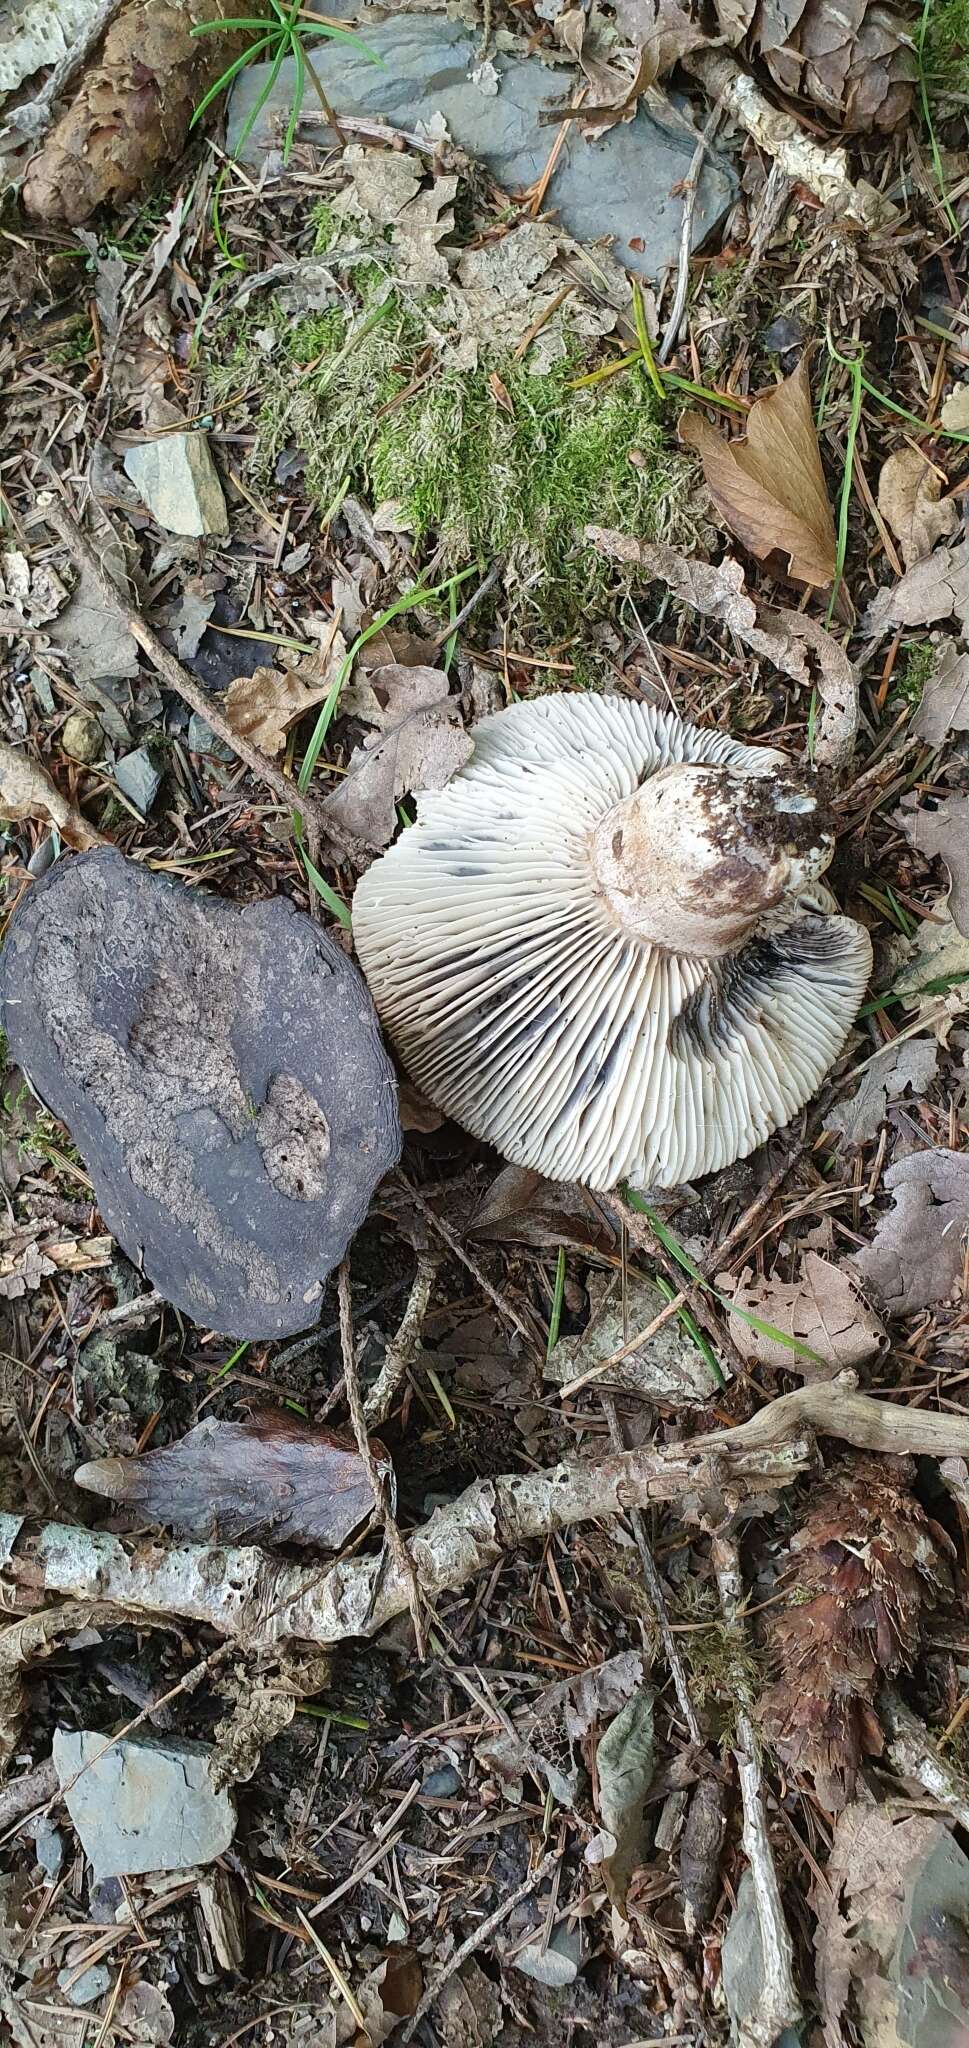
140,1806
49,1845
202,740
138,779
89,1986
222,1073
624,185
442,1784
176,478
82,738
558,1964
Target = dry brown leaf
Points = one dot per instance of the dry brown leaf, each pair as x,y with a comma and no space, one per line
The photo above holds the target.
272,1477
520,1207
945,701
263,706
422,752
910,500
769,488
943,833
916,1255
26,791
821,1308
934,589
662,29
799,646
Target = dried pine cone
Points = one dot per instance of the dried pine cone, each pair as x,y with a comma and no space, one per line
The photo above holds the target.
859,1572
856,60
132,111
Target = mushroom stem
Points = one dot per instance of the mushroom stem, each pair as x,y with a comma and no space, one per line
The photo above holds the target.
694,859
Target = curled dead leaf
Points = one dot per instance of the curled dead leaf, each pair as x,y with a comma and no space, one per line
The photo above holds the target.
820,1309
26,791
263,706
910,500
769,488
272,1477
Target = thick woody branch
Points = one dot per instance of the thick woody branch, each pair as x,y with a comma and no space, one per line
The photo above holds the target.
246,1593
803,159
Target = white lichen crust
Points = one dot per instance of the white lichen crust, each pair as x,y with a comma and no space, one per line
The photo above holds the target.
525,1004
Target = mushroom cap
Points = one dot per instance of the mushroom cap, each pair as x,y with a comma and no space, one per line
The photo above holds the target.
222,1074
603,947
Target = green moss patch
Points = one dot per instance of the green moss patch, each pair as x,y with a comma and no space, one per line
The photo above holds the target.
477,463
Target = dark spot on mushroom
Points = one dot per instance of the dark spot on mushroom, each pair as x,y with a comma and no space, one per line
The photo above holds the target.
617,843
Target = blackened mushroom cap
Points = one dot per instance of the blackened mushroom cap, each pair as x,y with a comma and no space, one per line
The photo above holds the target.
604,948
222,1074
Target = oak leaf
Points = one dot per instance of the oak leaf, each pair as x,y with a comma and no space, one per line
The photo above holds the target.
769,488
910,500
263,706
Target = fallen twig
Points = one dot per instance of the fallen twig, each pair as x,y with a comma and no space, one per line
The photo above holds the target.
778,2005
654,1588
914,1753
393,1539
244,1592
691,185
806,162
185,686
477,1938
403,1347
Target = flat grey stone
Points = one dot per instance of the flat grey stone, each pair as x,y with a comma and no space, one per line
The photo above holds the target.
222,1073
142,1805
89,1986
138,779
622,184
48,1845
558,1964
202,740
176,478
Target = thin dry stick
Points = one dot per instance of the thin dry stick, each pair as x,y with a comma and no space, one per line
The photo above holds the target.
478,1938
402,1348
691,186
454,1244
779,2005
454,625
378,1486
185,686
654,1587
915,1754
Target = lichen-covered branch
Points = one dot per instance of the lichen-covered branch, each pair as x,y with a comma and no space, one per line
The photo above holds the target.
244,1592
806,161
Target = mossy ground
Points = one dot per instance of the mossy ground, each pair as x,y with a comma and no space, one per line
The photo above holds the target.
494,461
945,53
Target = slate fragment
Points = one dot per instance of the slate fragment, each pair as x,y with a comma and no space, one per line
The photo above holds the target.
222,1073
625,185
141,1806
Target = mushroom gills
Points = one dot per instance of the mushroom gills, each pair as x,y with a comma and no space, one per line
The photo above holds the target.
604,947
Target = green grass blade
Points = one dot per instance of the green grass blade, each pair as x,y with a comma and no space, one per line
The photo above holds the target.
334,903
642,336
951,218
299,87
232,70
682,1258
558,1298
215,28
345,35
420,595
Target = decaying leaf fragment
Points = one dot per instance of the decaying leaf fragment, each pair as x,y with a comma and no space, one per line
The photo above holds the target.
624,1769
131,115
272,1478
263,706
861,1569
910,499
26,791
797,645
916,1255
944,833
891,1932
423,751
945,699
820,1308
769,488
933,589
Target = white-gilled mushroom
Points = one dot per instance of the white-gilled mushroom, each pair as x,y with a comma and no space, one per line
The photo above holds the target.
604,947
